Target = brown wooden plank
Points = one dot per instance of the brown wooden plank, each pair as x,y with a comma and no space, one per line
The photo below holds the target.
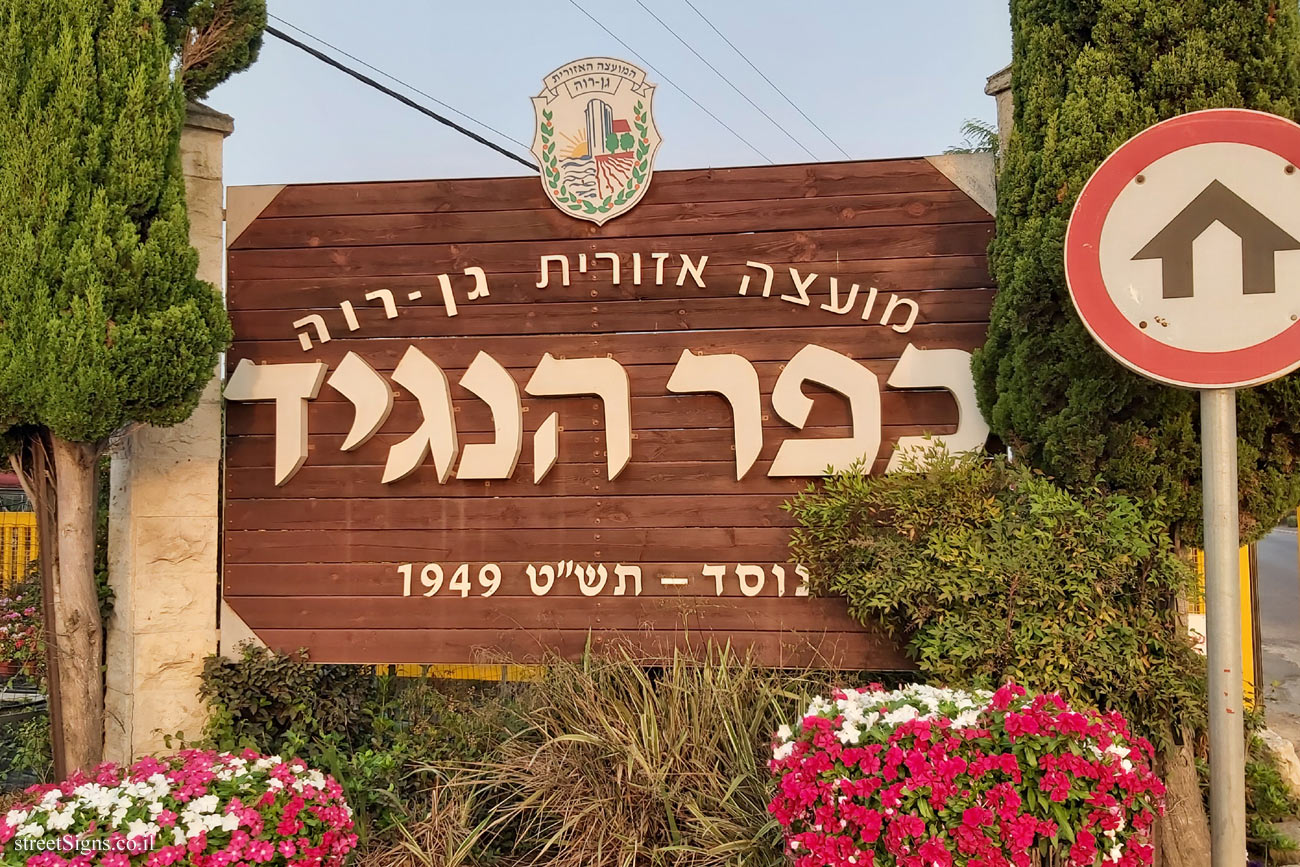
858,650
667,187
576,446
926,274
451,611
466,513
886,242
645,380
357,578
769,344
646,220
621,544
675,479
429,317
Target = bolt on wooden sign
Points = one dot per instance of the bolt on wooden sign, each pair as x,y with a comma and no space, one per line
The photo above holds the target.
461,422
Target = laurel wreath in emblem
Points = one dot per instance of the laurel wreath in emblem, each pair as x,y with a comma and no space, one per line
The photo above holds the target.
561,194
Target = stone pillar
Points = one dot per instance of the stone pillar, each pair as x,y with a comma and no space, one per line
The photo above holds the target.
998,86
164,520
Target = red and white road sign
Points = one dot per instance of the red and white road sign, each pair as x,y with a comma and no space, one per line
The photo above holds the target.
1183,251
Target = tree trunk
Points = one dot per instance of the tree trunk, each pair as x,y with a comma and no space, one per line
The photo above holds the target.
79,632
1185,829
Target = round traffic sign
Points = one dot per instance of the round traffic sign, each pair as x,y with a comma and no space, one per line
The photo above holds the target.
1183,251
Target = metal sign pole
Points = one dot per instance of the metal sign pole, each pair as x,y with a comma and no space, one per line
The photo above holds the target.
1223,627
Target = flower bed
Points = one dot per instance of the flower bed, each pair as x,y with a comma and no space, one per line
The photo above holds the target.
926,777
204,808
22,649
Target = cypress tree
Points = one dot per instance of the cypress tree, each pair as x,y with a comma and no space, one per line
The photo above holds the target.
1086,76
103,323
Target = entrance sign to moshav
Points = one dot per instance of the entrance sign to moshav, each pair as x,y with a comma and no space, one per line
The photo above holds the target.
1183,260
461,422
595,139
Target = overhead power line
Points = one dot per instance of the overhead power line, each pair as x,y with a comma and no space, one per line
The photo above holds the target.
670,82
411,87
745,58
743,95
405,100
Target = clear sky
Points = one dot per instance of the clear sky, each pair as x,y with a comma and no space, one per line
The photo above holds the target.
885,78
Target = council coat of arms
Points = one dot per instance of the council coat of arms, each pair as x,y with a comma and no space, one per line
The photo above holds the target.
596,138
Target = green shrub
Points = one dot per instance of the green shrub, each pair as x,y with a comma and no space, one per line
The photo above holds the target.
1268,797
988,571
25,756
381,738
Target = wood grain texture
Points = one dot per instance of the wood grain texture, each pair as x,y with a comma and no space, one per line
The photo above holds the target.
317,562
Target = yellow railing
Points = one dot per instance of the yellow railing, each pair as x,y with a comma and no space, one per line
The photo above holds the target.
1249,624
17,546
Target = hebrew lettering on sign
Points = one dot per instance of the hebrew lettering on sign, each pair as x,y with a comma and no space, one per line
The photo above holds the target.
493,384
728,375
607,380
734,378
368,393
437,434
812,457
768,273
941,368
290,386
317,322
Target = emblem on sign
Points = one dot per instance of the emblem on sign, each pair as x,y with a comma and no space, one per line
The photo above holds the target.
596,138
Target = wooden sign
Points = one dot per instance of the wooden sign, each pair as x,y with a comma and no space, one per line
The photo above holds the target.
461,423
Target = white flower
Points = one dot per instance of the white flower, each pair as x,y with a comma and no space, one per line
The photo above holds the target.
178,836
966,719
229,822
141,828
783,733
31,829
61,820
274,784
206,804
848,734
906,713
783,751
14,818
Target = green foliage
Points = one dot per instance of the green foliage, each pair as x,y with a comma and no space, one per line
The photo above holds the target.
262,697
102,320
611,143
371,733
978,137
214,39
626,141
988,570
1087,76
1268,798
25,755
